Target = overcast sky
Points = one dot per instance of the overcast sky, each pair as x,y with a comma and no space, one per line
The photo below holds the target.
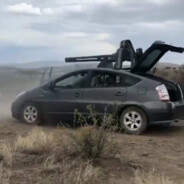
35,30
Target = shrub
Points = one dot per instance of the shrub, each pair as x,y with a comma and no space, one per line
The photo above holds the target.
36,142
108,121
6,155
90,142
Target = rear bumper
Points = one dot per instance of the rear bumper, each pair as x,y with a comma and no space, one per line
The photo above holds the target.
163,112
178,110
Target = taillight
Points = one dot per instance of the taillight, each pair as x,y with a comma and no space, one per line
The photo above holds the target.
163,93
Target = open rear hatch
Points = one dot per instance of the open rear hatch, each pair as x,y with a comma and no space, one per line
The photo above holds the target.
148,60
152,55
141,63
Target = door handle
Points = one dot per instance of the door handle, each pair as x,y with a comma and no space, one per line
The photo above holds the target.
119,93
77,94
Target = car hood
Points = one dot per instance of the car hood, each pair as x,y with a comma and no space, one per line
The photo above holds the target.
152,55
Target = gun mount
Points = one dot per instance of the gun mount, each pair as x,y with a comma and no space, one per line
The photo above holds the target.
140,61
126,52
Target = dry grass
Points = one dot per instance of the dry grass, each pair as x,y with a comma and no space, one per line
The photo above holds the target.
50,166
90,143
71,171
68,151
5,175
151,178
6,155
36,142
77,172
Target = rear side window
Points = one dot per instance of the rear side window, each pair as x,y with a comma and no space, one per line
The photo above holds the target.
129,80
110,79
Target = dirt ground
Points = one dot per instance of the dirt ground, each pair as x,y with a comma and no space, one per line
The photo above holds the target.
160,148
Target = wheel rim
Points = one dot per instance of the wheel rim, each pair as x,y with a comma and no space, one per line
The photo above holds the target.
30,114
132,120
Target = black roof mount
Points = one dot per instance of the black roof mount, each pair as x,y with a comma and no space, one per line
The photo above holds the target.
126,52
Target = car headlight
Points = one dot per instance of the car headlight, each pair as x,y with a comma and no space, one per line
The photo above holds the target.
20,94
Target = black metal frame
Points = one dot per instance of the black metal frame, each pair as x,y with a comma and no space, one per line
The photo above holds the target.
126,52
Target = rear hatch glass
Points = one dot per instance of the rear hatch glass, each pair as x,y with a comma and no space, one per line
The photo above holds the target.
152,55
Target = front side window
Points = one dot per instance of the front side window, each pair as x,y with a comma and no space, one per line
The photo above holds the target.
74,81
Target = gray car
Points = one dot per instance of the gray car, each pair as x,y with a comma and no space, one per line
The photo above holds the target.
136,97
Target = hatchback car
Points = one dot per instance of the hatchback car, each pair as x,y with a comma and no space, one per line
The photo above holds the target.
136,97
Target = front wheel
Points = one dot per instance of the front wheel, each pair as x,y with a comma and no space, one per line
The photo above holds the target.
30,114
133,120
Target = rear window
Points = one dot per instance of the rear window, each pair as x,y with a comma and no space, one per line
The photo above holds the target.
149,60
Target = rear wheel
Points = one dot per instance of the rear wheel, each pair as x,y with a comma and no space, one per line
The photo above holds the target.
31,114
133,120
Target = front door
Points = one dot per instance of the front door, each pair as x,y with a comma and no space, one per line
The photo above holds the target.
66,96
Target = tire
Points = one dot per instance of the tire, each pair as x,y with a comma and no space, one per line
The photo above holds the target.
133,120
30,114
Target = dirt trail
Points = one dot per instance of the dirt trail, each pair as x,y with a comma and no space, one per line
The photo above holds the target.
161,148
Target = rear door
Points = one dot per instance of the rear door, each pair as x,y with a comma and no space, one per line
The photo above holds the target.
152,55
106,89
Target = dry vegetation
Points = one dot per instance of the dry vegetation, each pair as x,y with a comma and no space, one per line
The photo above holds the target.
66,156
80,172
36,142
5,175
69,157
6,155
151,178
6,160
90,143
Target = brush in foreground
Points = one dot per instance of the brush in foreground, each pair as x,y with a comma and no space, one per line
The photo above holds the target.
77,172
90,143
36,142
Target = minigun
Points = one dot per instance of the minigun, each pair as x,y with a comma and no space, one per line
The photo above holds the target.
126,52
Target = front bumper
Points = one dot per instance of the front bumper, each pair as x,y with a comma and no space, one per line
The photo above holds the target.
15,110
